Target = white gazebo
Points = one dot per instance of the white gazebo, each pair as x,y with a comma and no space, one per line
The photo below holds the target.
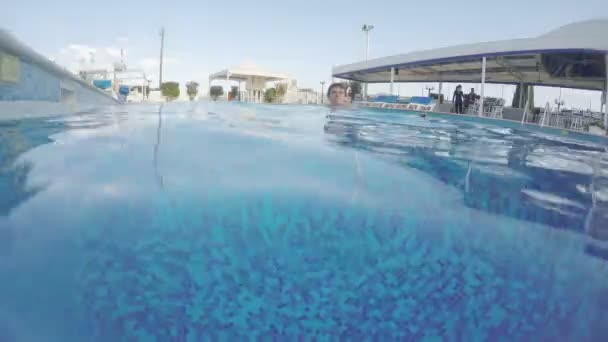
255,80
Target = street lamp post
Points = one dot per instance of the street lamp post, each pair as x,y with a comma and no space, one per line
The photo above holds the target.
162,47
322,91
366,28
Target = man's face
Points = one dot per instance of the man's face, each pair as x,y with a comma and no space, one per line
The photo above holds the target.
337,96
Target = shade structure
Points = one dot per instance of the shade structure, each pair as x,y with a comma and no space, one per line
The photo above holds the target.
254,77
572,56
246,72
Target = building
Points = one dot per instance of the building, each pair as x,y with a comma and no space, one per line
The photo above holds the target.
252,82
307,96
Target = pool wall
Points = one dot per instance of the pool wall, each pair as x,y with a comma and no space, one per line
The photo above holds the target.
530,127
598,139
32,85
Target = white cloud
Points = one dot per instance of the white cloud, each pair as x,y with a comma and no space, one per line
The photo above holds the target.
77,57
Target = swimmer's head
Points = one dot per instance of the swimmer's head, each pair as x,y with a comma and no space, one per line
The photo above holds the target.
336,93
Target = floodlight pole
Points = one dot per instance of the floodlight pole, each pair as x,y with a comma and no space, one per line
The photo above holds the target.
162,47
366,28
322,91
606,96
483,83
392,80
228,84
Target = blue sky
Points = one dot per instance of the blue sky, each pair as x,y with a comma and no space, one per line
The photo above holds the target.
300,38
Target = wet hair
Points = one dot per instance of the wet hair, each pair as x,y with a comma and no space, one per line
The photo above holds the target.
336,85
459,86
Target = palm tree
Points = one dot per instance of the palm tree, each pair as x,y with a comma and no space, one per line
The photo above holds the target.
192,89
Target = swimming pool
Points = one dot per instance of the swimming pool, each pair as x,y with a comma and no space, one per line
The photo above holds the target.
214,221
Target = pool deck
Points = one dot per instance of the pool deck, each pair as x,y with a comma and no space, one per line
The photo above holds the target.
425,109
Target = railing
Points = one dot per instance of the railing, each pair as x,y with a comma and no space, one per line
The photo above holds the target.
577,120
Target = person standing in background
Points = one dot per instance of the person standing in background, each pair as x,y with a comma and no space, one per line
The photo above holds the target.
457,99
470,99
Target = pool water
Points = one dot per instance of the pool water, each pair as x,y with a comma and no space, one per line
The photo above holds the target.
214,221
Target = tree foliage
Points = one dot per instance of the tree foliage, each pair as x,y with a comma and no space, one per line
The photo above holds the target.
270,95
280,89
170,90
192,89
234,92
216,91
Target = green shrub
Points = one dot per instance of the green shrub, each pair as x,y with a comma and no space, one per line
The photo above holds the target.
170,90
270,95
192,89
216,91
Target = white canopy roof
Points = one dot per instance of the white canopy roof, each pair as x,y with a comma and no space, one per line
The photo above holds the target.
245,72
572,56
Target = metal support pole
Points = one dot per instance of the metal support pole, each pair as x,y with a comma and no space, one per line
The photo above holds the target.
521,94
143,87
322,92
483,83
440,89
228,84
366,44
606,97
366,58
366,28
544,119
162,47
528,97
525,116
392,80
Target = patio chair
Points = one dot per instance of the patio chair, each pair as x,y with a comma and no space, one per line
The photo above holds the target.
557,120
473,108
577,123
496,112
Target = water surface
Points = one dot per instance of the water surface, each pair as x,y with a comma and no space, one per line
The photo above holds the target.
210,221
